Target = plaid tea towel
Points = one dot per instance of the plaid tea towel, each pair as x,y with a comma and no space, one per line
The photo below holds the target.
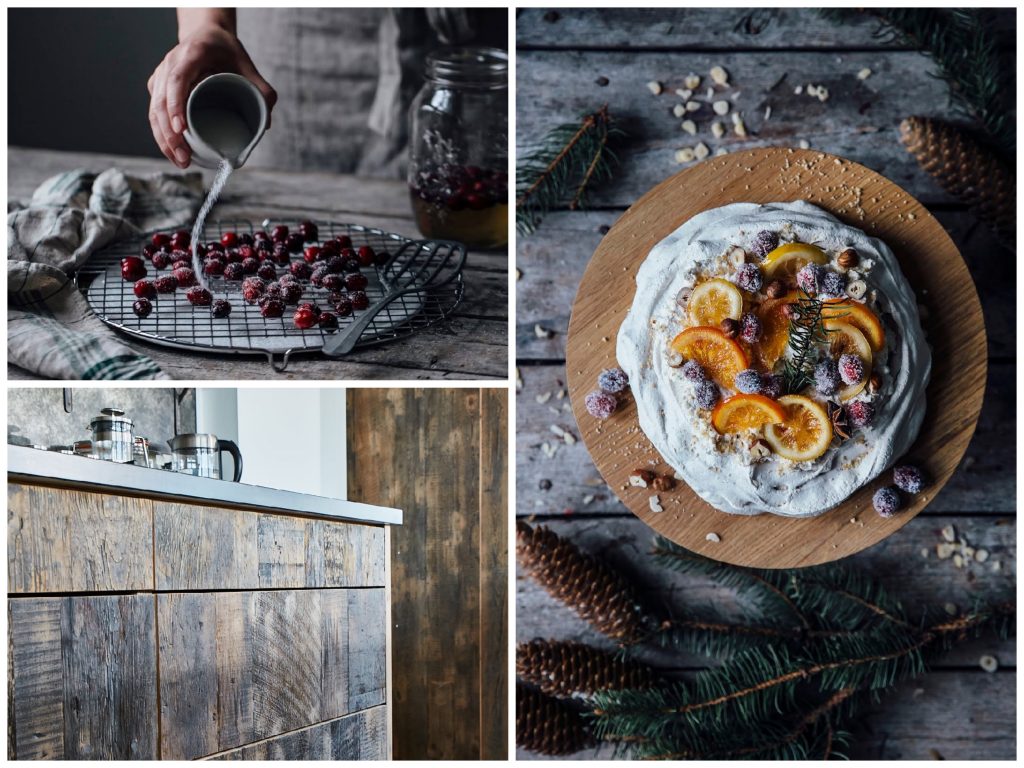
51,330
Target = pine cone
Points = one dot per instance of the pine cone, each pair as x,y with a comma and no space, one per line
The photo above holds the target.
588,586
547,726
966,169
563,669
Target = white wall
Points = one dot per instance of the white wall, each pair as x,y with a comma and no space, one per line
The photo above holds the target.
291,439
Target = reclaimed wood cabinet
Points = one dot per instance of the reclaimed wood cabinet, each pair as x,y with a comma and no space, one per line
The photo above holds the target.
142,628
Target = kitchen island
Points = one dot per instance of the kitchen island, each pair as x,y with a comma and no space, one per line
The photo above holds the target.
154,615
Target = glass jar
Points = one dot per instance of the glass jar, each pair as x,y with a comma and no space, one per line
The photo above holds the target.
112,438
458,148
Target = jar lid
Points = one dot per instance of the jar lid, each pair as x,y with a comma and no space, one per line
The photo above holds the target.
192,441
110,416
469,67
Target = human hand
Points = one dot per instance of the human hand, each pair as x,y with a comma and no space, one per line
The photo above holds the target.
203,51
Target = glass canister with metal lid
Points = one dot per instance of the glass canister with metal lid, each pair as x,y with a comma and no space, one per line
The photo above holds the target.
458,150
112,438
200,455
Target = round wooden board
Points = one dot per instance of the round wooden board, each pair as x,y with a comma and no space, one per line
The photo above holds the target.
861,198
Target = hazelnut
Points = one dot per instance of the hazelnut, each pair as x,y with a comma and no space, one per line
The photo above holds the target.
641,478
856,289
776,289
684,296
848,259
730,327
874,383
663,483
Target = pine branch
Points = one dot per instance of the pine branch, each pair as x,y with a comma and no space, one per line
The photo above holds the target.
806,332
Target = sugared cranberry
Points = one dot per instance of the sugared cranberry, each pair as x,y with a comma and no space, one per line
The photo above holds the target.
279,233
309,231
160,240
185,276
336,265
359,300
214,247
273,289
291,292
264,248
317,278
142,307
166,284
356,281
294,243
329,248
250,265
328,320
199,296
311,253
287,277
213,267
181,239
245,239
221,308
301,270
306,316
229,240
365,255
333,282
343,241
161,260
181,263
132,268
148,250
233,272
246,252
267,271
271,307
233,255
252,289
280,255
144,289
342,305
260,236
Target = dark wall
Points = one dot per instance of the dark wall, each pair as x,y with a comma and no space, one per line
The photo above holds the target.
77,77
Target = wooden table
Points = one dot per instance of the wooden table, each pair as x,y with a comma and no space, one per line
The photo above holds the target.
957,710
474,345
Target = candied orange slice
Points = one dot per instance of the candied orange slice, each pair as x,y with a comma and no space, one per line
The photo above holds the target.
742,412
713,301
774,331
804,434
846,339
859,316
787,260
719,356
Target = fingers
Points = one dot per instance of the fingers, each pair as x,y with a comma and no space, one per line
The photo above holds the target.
168,134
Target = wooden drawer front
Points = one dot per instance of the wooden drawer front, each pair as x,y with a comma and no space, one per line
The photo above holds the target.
362,736
213,548
238,667
84,677
70,541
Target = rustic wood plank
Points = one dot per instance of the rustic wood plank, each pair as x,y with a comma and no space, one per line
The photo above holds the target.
204,547
983,484
366,642
336,628
69,541
37,686
494,466
859,121
358,736
235,614
353,555
282,551
108,645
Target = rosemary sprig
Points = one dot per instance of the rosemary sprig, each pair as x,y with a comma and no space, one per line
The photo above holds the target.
806,331
563,167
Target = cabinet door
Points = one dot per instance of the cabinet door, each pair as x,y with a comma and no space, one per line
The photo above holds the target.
239,667
83,675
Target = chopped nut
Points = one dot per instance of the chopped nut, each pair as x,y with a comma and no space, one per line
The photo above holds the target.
641,478
958,560
822,93
988,663
864,74
949,533
848,259
690,127
730,327
760,451
804,144
737,256
692,106
740,128
684,155
663,483
588,498
981,555
874,383
655,504
721,107
692,81
945,550
717,129
675,360
654,87
951,609
798,90
684,296
519,378
924,552
557,430
721,151
684,93
542,333
543,398
856,289
719,76
701,151
679,110
713,537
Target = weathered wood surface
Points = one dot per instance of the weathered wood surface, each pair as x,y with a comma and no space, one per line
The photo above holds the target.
474,345
434,436
215,548
360,736
239,667
84,677
69,541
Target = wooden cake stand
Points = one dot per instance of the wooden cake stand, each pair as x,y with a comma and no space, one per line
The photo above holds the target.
860,197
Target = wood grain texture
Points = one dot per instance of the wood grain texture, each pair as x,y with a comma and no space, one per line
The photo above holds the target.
366,644
69,541
433,439
931,263
474,345
204,547
37,673
360,736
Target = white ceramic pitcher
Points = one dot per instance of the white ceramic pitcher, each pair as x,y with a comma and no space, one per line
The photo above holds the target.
226,117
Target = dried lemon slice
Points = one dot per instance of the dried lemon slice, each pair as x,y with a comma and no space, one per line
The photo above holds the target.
805,433
713,301
743,412
786,260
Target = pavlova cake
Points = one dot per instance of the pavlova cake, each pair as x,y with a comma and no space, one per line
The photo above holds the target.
776,358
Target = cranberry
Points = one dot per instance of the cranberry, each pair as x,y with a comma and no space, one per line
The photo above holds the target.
343,305
356,281
221,308
328,320
229,239
291,292
252,289
287,277
246,252
280,255
233,271
350,265
161,260
145,289
304,317
365,256
330,248
250,265
264,248
199,296
267,271
185,276
259,236
246,239
476,202
309,231
381,258
161,240
181,239
213,267
181,263
279,233
317,278
333,282
166,284
233,255
343,241
142,307
336,265
148,250
311,253
301,270
271,307
294,242
200,250
359,300
132,268
214,247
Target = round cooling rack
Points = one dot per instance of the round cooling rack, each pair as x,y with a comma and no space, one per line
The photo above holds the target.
175,323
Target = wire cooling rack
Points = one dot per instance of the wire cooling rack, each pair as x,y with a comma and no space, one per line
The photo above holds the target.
175,323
